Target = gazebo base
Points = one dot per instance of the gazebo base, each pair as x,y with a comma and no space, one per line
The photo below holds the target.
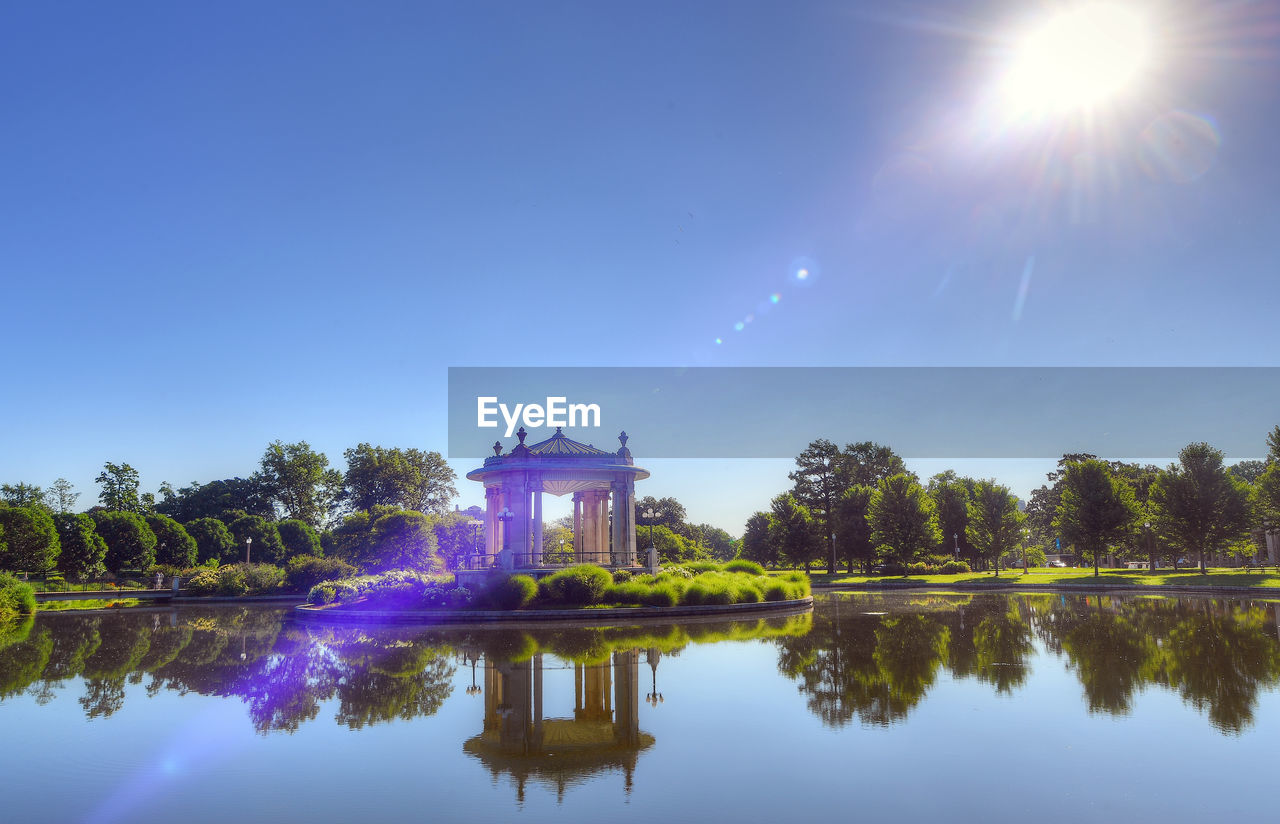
472,578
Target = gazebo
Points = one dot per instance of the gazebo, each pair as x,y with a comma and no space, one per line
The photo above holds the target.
515,482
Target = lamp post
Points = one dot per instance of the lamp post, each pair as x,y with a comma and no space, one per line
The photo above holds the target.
1146,539
955,536
649,517
472,658
248,542
561,556
505,516
1026,538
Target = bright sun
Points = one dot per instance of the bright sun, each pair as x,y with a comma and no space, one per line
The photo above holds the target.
1080,58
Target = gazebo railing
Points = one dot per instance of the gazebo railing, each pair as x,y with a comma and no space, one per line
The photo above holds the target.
549,560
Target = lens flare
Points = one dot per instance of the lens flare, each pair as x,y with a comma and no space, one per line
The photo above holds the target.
775,297
739,326
1178,147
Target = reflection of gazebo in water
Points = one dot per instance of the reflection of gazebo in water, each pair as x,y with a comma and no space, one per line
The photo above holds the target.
603,734
515,482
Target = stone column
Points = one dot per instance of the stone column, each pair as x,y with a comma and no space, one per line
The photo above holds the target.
619,541
491,508
602,526
629,512
537,522
518,542
577,527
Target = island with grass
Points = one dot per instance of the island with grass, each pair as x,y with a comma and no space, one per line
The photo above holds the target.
582,590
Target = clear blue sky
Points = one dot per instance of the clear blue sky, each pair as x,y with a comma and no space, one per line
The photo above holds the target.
225,224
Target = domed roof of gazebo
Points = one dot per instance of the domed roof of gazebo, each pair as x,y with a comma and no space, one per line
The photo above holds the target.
559,444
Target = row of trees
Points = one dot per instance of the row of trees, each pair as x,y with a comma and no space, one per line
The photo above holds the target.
280,511
860,505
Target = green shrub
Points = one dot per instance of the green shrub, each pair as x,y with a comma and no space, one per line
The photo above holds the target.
305,571
776,591
458,597
954,567
743,565
511,592
262,579
626,592
16,597
676,571
621,576
322,594
662,595
918,568
702,567
580,585
232,581
893,568
204,582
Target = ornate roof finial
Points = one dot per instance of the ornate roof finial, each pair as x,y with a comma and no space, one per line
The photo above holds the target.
623,438
558,428
521,435
497,448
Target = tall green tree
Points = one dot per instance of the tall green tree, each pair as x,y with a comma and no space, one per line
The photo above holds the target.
298,538
267,548
867,463
119,488
1248,471
130,542
406,478
667,511
720,545
1273,445
83,549
794,531
1096,509
1200,506
758,540
853,529
995,526
210,500
950,495
21,494
299,481
903,518
174,546
404,540
30,539
61,496
214,541
818,484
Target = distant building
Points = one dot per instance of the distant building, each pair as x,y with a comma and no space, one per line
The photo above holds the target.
476,512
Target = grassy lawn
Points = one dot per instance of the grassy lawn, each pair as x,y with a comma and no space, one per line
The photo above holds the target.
89,603
1072,577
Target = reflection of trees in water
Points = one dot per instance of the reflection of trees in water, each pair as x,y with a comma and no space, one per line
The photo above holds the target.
875,657
284,671
1218,662
1112,658
282,674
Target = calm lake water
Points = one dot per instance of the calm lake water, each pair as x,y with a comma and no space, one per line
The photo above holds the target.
900,707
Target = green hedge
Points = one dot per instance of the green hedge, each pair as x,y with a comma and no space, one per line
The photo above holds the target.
238,579
16,598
